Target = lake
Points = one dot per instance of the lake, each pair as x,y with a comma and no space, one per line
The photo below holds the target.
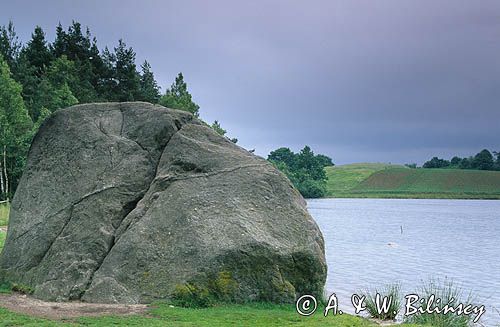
454,239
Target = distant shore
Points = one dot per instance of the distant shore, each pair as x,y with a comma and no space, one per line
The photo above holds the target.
378,180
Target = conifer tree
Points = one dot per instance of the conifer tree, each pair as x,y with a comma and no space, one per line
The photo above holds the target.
150,91
178,97
127,78
9,45
37,52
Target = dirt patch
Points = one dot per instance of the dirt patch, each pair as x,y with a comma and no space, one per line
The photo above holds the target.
24,304
3,229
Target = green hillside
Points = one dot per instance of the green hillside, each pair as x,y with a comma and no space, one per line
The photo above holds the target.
392,181
344,178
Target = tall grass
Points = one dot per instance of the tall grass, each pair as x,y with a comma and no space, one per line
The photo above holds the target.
448,292
393,294
4,213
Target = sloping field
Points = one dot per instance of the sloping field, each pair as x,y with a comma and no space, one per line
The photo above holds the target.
445,183
391,181
346,177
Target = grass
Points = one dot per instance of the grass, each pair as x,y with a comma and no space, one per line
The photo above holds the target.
448,293
393,181
342,179
230,315
4,213
392,293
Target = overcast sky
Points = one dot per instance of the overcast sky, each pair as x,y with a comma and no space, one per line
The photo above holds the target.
361,81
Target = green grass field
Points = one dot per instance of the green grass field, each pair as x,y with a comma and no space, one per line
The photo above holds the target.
393,181
231,315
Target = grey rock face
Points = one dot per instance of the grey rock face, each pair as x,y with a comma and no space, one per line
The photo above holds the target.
125,203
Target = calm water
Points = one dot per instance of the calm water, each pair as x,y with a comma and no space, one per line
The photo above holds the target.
454,239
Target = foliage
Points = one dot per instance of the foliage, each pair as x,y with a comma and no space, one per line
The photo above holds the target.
304,169
216,127
484,160
178,97
393,293
14,126
41,77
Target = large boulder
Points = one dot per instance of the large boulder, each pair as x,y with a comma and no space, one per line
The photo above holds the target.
131,202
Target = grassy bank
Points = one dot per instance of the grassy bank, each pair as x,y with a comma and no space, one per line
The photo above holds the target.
164,315
393,181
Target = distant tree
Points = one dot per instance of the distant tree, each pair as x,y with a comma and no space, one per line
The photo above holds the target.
483,160
9,45
325,160
497,160
455,161
304,169
150,91
178,97
466,163
15,125
411,165
284,155
435,162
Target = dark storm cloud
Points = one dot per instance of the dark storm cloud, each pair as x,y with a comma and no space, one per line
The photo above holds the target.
394,81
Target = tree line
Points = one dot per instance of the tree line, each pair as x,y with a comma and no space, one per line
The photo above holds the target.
40,77
304,169
483,160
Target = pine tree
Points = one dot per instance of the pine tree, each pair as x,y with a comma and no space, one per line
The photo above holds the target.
178,97
150,91
9,45
128,80
108,85
37,52
79,49
15,126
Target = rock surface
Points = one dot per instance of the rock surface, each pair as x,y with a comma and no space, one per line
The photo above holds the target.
131,202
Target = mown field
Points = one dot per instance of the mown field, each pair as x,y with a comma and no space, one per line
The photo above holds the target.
393,181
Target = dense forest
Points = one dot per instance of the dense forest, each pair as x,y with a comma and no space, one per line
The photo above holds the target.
484,160
40,77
